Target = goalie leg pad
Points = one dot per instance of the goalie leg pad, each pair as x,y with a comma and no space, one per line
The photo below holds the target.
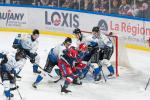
111,69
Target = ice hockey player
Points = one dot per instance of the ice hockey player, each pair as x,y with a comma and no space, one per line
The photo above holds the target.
53,58
55,54
92,48
82,52
68,68
105,52
29,44
79,36
10,66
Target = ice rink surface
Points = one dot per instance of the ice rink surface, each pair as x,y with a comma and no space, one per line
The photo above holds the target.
128,86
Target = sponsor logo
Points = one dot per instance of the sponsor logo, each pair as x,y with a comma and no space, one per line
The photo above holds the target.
127,27
62,19
12,18
102,24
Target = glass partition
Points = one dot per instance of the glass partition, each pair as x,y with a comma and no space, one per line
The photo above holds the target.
135,8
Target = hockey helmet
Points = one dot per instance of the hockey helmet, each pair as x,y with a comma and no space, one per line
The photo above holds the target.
78,34
72,52
68,40
95,29
77,31
35,31
83,47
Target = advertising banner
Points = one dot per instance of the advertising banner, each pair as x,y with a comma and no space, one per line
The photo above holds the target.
133,30
13,17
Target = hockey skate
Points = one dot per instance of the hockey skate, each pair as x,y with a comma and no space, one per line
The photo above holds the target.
77,81
64,90
34,85
97,77
37,72
111,75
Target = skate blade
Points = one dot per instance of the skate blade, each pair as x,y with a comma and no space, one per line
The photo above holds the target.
111,77
63,93
99,82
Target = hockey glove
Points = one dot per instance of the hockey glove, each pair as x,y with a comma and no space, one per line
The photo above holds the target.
4,60
32,57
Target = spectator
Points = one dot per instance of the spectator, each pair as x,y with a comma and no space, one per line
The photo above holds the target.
36,2
67,4
114,7
96,7
61,2
2,1
27,2
75,4
88,5
124,7
7,1
144,11
44,2
104,6
134,10
16,1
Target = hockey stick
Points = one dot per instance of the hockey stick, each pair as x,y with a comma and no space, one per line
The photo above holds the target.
50,75
147,84
101,67
45,71
103,75
19,92
17,88
57,80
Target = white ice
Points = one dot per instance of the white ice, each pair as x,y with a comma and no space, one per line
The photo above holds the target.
128,86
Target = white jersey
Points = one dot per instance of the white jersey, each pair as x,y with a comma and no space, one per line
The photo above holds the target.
58,50
103,41
13,64
28,44
85,39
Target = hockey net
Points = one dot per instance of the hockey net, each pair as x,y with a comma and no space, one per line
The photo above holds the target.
119,57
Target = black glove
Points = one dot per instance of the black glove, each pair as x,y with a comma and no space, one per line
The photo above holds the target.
14,88
32,60
32,57
5,59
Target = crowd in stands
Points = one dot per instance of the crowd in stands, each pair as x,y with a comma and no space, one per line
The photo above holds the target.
136,8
